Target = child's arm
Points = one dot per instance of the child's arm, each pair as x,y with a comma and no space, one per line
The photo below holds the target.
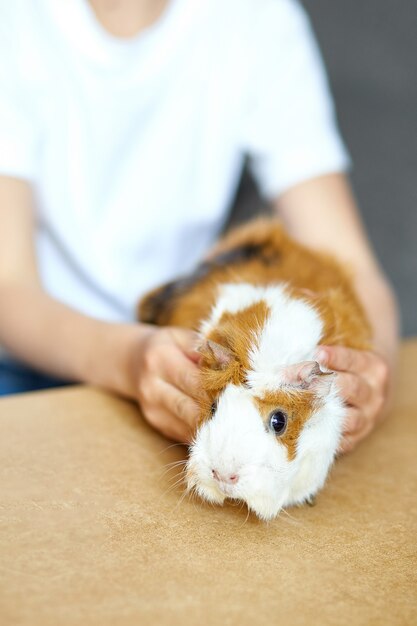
154,366
322,214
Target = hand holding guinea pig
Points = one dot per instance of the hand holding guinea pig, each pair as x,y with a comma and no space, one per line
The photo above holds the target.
362,378
167,380
271,419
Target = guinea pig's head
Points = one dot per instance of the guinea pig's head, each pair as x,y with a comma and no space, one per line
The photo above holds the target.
270,445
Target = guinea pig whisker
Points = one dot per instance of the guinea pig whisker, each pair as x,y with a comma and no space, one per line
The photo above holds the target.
196,501
177,478
174,485
171,488
176,463
180,466
173,463
180,501
166,493
192,491
167,475
246,518
173,445
165,471
193,497
291,517
172,466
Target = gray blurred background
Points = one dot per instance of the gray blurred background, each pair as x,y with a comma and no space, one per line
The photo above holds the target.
370,49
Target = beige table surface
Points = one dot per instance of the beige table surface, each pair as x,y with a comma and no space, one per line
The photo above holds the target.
91,534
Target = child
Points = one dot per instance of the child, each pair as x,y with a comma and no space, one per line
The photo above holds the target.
123,129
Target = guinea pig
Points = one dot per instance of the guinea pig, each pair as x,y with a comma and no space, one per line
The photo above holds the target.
271,419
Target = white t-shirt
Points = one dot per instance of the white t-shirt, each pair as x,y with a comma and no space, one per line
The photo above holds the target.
135,147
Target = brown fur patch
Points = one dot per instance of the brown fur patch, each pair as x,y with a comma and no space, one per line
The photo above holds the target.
238,332
298,405
315,277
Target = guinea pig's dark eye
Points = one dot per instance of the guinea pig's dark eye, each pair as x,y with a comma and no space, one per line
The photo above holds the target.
213,408
278,422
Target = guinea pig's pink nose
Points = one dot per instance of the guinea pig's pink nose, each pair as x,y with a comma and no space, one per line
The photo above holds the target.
231,479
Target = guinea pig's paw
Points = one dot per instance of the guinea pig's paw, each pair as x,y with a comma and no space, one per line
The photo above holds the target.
209,493
302,499
265,507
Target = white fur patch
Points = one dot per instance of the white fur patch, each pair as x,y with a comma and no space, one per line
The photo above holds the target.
290,335
235,441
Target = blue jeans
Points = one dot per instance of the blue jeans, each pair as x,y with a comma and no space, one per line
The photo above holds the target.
17,378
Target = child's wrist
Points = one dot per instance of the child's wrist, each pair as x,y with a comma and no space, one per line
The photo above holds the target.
113,364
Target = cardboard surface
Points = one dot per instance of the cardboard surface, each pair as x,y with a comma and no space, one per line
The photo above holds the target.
92,534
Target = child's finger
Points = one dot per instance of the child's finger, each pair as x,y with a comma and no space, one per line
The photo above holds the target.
179,372
354,421
179,404
343,359
354,389
187,341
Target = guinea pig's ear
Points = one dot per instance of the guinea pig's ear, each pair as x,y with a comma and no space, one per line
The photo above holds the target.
308,375
216,355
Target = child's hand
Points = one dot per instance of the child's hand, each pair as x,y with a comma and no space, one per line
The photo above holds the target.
166,381
363,379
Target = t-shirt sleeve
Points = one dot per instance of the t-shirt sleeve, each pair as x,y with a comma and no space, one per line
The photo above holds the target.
288,128
19,128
